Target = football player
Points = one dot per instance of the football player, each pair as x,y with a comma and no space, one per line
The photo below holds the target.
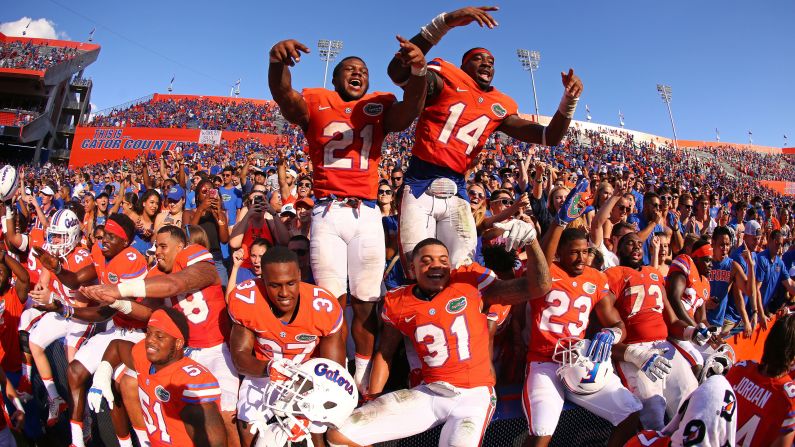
461,111
564,313
444,315
278,317
62,241
179,396
646,362
688,289
766,392
345,129
116,264
205,310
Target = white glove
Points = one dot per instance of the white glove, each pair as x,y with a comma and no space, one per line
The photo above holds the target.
702,334
279,369
650,361
101,388
272,435
518,233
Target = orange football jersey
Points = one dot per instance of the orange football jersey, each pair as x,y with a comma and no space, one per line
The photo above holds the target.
75,261
345,141
564,311
696,288
639,301
454,126
319,315
449,332
128,265
10,312
206,308
164,393
765,405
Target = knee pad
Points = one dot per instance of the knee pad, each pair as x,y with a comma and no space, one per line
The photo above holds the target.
23,341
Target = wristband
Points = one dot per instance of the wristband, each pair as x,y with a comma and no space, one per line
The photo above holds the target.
419,71
133,289
123,306
567,106
435,30
18,404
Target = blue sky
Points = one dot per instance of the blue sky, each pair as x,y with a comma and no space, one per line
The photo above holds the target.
730,63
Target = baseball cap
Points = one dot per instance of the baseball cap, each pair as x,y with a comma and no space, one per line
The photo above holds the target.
305,202
175,193
752,228
47,191
288,209
293,173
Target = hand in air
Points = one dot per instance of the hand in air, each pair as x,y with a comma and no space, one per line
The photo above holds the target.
571,83
409,54
465,16
288,52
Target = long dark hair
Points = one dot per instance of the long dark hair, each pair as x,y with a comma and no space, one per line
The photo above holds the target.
779,352
138,207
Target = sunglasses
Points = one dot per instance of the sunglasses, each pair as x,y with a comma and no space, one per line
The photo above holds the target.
305,184
301,251
476,194
687,207
505,202
385,191
623,209
666,198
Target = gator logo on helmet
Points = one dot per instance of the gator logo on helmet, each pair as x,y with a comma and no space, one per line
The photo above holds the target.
456,305
499,110
162,394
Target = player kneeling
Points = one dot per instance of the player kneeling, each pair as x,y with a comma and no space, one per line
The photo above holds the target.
180,398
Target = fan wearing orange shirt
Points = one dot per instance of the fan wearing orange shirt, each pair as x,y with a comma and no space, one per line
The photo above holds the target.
179,396
646,361
445,317
688,289
461,112
115,264
275,318
345,129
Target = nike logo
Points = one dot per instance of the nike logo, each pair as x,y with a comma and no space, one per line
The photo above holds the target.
323,108
555,279
461,89
408,319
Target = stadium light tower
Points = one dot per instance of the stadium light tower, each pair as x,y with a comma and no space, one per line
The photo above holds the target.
665,94
329,50
530,60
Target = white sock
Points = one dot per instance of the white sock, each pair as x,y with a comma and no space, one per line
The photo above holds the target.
361,373
52,391
125,442
143,438
77,433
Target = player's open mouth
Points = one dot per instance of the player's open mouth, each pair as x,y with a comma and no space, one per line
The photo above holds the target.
484,74
355,83
435,276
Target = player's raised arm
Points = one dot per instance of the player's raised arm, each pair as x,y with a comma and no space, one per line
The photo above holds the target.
551,135
402,113
284,55
536,282
433,32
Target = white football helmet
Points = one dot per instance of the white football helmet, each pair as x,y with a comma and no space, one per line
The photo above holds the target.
319,390
718,361
66,225
9,181
579,373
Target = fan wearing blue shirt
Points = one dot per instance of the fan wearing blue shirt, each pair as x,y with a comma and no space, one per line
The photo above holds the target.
230,195
752,237
647,223
773,277
725,278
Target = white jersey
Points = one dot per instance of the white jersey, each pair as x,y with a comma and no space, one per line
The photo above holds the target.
708,418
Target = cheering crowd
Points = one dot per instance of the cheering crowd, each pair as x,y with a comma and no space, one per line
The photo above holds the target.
190,289
201,113
29,56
